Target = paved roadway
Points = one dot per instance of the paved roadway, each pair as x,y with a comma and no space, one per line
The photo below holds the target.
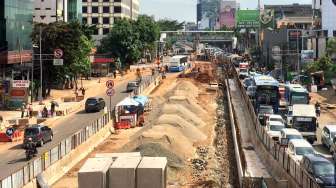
14,159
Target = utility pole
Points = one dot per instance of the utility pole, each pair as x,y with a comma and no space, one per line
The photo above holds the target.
41,68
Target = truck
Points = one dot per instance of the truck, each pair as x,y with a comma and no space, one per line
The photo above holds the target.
303,118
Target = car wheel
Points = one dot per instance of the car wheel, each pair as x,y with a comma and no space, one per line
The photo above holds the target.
41,143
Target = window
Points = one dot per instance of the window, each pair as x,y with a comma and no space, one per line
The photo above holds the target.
117,9
96,32
117,1
106,31
84,0
106,0
106,9
84,9
106,20
94,0
95,9
95,20
84,20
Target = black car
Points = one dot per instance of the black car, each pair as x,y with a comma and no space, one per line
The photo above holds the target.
94,104
39,134
320,169
131,86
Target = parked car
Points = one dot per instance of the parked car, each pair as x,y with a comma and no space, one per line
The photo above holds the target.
276,117
263,113
299,147
328,134
320,169
273,129
94,104
131,86
289,134
39,134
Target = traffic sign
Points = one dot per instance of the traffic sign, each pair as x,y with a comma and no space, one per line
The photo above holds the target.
58,53
110,92
58,62
10,132
110,84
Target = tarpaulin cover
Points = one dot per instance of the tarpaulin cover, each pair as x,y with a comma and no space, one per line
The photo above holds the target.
141,99
128,102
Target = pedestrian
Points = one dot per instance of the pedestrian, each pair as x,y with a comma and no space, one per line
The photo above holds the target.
115,74
318,109
52,108
45,112
30,110
23,109
83,91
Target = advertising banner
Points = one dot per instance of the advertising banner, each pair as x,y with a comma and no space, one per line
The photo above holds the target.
267,18
248,19
227,14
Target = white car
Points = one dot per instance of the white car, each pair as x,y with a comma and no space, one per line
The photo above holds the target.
299,147
327,135
289,133
273,129
276,117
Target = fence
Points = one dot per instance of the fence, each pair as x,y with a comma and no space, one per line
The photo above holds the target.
28,172
291,166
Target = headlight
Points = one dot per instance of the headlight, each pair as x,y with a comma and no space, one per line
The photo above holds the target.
319,181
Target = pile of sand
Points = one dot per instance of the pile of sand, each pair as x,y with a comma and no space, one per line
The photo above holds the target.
185,88
187,103
183,112
186,128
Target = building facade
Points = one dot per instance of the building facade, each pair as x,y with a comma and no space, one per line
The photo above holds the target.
103,13
48,11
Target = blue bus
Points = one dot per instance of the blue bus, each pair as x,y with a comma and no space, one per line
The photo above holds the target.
267,92
296,94
178,63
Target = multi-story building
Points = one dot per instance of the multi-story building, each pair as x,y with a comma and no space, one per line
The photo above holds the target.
324,16
103,13
48,11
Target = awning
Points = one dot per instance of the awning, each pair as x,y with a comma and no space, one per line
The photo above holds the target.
103,60
143,100
128,102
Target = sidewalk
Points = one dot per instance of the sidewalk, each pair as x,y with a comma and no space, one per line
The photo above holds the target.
93,87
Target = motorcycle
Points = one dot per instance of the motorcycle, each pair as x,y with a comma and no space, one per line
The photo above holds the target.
30,152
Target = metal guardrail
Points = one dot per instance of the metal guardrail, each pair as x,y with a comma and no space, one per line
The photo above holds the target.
293,168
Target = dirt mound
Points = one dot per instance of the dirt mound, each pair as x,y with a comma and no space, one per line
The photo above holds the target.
183,112
188,103
186,88
186,128
157,150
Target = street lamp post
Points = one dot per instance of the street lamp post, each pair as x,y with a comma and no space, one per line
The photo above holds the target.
41,69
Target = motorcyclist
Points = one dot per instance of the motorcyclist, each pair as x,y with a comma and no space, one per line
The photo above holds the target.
31,145
318,109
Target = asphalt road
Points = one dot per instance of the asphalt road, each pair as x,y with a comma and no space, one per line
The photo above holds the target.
14,158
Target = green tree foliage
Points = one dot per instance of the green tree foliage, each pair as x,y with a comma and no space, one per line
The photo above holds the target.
170,25
128,40
331,46
73,40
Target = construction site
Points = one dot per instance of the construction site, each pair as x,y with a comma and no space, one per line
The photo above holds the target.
188,123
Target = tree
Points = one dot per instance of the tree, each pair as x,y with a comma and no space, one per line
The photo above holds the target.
123,42
76,47
170,25
331,47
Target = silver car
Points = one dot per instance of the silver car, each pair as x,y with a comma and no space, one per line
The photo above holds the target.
328,134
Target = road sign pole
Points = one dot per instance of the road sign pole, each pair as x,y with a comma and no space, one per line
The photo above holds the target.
110,103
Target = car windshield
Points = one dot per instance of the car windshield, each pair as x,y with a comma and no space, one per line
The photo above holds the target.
91,101
324,169
248,82
290,137
265,110
304,150
276,119
29,132
276,127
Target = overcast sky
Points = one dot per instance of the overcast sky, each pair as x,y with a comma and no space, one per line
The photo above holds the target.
185,10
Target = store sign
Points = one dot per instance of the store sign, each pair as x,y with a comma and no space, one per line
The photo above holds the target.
20,83
248,18
294,34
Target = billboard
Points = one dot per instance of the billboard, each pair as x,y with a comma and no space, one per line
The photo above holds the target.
267,18
227,14
247,18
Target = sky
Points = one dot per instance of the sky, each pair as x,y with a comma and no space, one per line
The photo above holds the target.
185,10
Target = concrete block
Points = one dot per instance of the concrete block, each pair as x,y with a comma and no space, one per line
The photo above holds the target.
122,172
114,156
152,172
94,173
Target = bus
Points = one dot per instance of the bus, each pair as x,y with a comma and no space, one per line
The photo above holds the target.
178,63
296,94
267,92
